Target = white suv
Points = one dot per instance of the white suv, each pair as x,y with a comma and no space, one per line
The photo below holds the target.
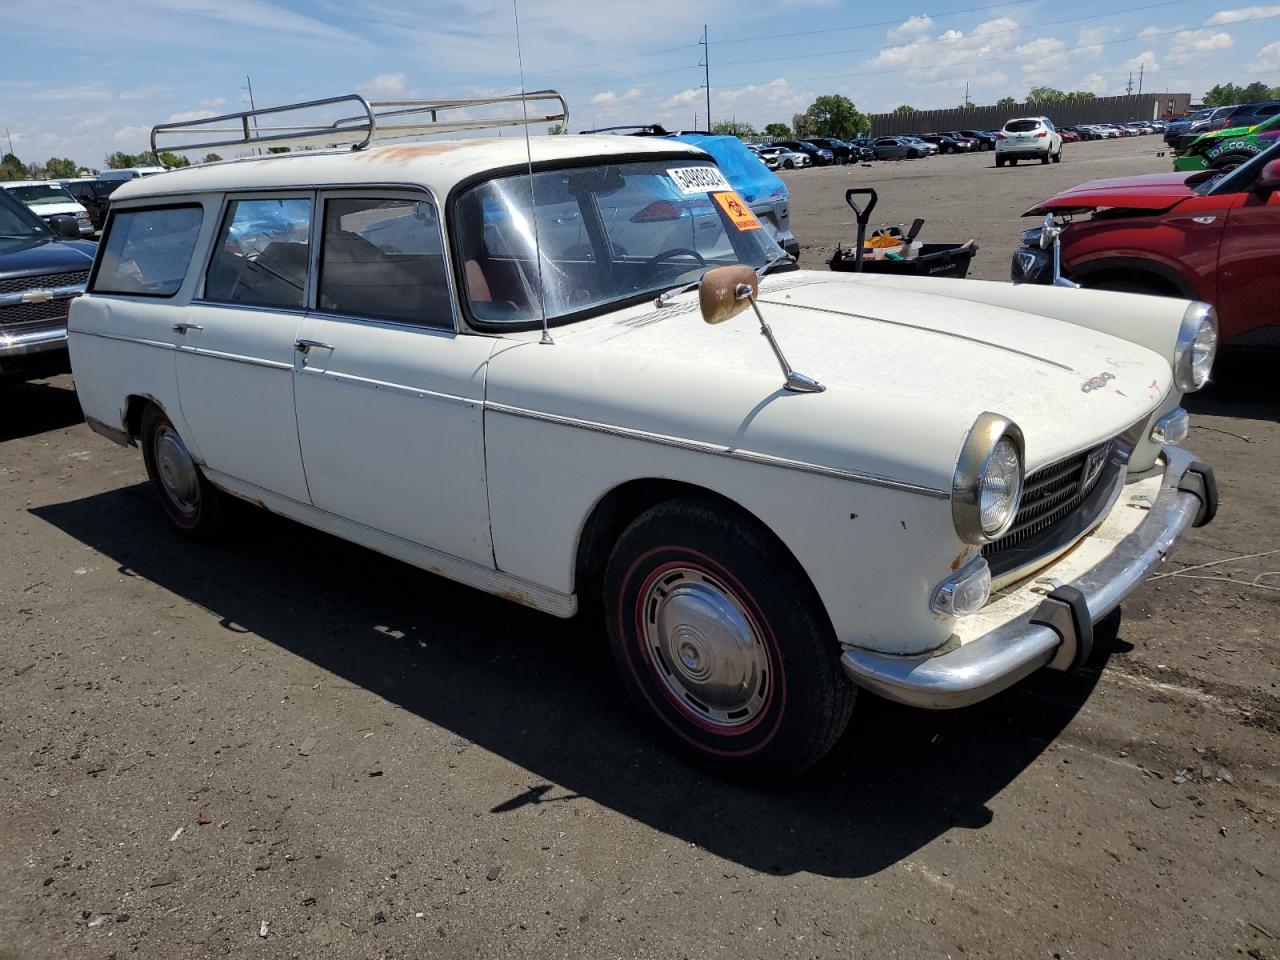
1028,138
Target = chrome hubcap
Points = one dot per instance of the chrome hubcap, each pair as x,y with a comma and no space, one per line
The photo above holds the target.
704,647
177,470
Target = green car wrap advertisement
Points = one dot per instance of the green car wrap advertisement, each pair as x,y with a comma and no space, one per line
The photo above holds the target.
1227,148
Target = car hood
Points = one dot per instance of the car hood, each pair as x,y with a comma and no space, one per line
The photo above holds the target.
1066,386
44,255
1153,192
51,207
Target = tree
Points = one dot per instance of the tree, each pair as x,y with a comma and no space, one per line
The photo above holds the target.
556,129
278,150
60,168
11,168
1227,94
801,125
1256,91
731,128
211,158
172,160
120,160
1006,102
1045,95
904,108
833,115
777,131
1081,95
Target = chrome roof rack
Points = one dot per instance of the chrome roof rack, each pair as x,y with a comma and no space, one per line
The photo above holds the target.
375,120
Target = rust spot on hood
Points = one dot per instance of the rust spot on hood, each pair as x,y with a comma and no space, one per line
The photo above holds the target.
406,152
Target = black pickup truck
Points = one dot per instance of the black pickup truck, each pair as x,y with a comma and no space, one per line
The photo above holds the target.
42,269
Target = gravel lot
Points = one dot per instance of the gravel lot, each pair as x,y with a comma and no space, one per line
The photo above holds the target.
285,746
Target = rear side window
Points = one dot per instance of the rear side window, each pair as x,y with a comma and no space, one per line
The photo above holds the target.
1022,126
383,259
262,254
147,251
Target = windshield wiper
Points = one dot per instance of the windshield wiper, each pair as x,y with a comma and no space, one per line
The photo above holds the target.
761,272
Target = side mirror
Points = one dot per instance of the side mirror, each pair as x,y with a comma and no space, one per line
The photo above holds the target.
1049,232
725,292
1269,180
65,227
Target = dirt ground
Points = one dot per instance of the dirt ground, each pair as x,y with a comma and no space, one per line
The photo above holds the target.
286,746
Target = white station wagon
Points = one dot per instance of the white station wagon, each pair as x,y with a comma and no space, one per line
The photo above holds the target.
504,361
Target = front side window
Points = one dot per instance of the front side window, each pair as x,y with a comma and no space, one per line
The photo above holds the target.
262,254
147,251
604,234
383,259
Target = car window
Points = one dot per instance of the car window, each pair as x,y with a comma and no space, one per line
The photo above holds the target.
146,252
38,193
262,253
1021,126
383,259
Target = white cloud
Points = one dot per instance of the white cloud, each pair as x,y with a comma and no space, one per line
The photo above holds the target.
911,27
1268,59
1091,40
1243,13
190,115
1150,32
608,96
212,102
384,86
1189,45
1146,59
1095,82
132,133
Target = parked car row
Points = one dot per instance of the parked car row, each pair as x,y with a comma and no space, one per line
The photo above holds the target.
1181,134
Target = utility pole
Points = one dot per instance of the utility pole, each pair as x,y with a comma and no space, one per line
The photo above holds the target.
10,136
1128,88
252,106
706,71
1142,68
966,93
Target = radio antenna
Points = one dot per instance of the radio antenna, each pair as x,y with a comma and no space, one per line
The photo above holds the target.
528,150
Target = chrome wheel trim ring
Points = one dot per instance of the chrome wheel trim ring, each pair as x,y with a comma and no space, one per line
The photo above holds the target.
704,648
176,471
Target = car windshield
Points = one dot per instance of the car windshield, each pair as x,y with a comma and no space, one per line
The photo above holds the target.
17,223
38,193
593,237
1021,126
1240,178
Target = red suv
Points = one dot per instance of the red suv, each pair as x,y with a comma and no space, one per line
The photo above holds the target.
1206,235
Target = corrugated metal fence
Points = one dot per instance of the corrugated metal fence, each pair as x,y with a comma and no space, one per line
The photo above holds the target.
1147,106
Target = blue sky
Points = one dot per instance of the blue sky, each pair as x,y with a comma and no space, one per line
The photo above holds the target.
96,77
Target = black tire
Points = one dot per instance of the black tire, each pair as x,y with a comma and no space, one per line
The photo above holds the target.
999,161
194,506
912,154
1013,161
1229,161
1057,157
1046,158
788,164
693,562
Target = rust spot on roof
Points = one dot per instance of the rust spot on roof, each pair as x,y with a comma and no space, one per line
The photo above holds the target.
406,152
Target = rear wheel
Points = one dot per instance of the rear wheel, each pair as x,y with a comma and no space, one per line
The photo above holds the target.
721,641
789,164
912,154
1013,161
999,161
1057,157
1229,161
190,501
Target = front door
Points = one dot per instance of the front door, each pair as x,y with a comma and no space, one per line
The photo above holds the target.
1249,266
389,396
236,344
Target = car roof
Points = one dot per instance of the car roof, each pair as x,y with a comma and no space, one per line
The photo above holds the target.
438,164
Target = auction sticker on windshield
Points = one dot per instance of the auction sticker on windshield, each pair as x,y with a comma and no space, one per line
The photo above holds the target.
736,210
698,179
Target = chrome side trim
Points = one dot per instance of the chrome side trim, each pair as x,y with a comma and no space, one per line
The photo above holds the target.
419,393
504,585
35,341
160,344
922,329
987,665
715,449
234,357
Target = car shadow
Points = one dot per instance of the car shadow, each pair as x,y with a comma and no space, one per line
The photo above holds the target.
542,694
1243,386
37,407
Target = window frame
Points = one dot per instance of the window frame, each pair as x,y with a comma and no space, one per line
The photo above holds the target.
225,206
375,192
109,226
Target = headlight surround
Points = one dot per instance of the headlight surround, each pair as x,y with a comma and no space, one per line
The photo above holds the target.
1196,348
987,485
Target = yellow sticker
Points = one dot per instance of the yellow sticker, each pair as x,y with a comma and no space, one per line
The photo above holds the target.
736,209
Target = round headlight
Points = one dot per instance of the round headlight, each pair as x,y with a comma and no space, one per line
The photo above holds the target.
1197,346
1000,488
987,486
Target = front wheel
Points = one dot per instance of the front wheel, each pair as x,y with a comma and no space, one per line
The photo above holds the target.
1013,161
999,161
912,154
788,164
1057,157
1229,161
190,501
722,642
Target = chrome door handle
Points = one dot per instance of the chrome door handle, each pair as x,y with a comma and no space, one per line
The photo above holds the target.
302,345
185,327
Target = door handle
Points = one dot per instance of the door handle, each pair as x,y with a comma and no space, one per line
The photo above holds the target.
185,327
302,345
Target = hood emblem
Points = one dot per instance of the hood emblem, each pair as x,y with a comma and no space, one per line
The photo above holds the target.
37,296
1098,382
1093,466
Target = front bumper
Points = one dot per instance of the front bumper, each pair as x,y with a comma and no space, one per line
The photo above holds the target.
34,354
1059,632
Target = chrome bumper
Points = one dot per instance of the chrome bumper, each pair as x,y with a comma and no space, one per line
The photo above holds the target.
35,341
1059,632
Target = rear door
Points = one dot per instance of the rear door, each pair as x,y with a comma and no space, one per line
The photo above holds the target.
389,395
1249,268
236,342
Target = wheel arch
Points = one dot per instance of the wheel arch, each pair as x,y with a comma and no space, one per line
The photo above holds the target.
1133,268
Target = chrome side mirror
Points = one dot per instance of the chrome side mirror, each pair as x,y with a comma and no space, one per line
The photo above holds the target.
1049,232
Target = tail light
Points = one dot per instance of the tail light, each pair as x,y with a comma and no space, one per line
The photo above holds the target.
1001,136
1042,133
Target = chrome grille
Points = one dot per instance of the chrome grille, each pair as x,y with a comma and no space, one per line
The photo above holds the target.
1052,494
43,281
30,315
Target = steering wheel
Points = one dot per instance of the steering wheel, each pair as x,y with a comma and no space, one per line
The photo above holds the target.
675,252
